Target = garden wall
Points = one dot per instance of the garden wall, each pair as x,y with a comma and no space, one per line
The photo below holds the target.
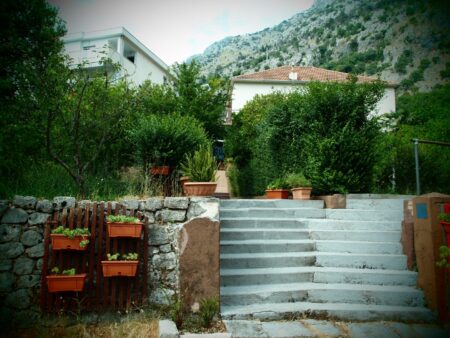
182,232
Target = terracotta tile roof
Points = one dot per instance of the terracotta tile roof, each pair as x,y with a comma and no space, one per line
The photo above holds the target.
303,74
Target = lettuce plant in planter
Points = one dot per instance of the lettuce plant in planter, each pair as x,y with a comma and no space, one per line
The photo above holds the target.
70,239
123,226
125,267
67,280
201,168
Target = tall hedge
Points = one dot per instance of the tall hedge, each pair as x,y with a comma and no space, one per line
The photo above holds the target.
323,130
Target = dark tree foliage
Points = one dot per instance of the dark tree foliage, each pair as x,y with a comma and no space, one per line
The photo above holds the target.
30,47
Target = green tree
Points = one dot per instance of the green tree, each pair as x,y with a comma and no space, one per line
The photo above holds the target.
204,100
30,55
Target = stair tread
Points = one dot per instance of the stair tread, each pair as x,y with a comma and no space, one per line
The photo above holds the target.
250,289
303,254
310,269
308,241
309,220
305,230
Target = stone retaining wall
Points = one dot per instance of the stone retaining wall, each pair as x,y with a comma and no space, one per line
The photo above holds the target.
21,247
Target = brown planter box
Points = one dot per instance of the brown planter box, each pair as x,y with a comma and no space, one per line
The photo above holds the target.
62,242
116,229
199,188
336,201
62,283
301,193
119,268
277,194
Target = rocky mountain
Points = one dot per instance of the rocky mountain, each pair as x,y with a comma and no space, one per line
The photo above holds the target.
402,41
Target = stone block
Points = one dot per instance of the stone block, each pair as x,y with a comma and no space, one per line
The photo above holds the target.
61,202
44,206
36,251
31,238
4,205
84,203
15,216
176,202
28,281
168,329
11,250
161,296
9,233
24,266
165,261
150,216
25,202
170,216
165,248
6,281
37,218
131,204
195,209
5,264
153,204
158,235
19,299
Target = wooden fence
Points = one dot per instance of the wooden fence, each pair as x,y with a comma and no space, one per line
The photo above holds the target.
99,293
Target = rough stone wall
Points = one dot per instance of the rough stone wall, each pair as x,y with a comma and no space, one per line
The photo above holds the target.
21,246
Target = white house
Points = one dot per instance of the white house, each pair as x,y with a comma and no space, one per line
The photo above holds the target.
137,61
288,78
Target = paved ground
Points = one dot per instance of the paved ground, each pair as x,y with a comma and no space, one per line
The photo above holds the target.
318,328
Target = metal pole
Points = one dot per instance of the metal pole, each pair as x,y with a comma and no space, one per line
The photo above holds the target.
416,155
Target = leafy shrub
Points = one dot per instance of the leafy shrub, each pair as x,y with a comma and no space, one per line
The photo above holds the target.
405,59
71,233
444,217
166,139
67,272
279,183
295,180
122,219
131,256
201,166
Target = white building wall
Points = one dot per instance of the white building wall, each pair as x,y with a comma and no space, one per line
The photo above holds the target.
246,91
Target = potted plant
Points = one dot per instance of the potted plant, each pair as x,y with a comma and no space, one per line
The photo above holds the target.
160,170
124,226
277,189
70,239
125,267
68,280
201,168
445,221
300,186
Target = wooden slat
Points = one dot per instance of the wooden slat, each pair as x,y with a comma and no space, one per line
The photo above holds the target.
144,288
99,290
91,263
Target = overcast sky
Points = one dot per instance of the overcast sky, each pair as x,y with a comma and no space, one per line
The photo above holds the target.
177,29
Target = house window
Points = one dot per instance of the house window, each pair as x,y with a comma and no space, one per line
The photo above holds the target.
131,57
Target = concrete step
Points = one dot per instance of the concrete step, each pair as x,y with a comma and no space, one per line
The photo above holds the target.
321,293
344,235
358,247
315,274
314,258
249,233
364,215
270,203
378,204
332,224
273,213
340,311
261,223
263,245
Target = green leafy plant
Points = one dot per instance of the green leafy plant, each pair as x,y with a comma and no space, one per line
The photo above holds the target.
279,183
444,253
177,312
122,219
296,180
72,233
444,217
201,166
209,308
131,256
67,272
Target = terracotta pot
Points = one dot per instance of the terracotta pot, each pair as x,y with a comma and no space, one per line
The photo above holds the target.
301,193
62,242
63,283
200,188
184,180
119,268
162,170
277,193
119,229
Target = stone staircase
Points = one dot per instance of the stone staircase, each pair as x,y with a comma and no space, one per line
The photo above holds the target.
286,258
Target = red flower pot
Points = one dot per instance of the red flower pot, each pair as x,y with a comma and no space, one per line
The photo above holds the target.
162,170
64,283
119,268
62,242
119,229
277,193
